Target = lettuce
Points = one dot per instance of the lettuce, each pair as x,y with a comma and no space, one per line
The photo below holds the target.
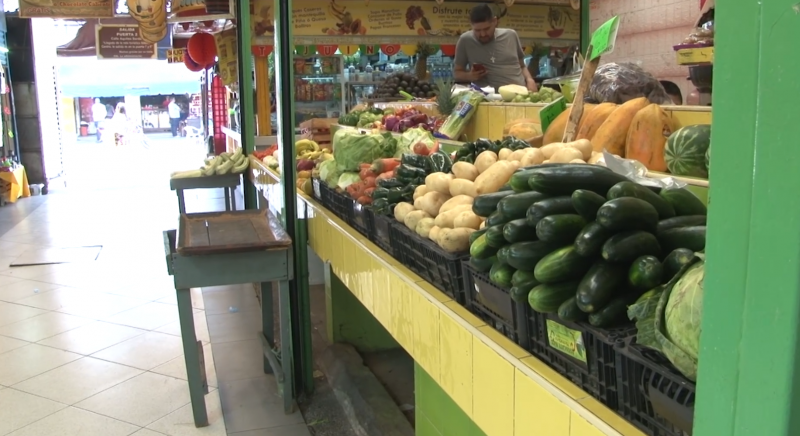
411,137
350,148
347,179
329,172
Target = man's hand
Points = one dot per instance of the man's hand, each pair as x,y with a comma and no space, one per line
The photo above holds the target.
476,75
531,84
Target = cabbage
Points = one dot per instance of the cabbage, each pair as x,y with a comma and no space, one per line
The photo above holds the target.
509,92
350,148
329,172
411,137
347,179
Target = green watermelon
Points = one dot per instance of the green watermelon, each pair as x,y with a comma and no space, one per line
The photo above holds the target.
708,159
685,152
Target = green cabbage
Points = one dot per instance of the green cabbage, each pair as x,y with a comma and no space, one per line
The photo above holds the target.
411,137
347,179
329,172
368,119
351,149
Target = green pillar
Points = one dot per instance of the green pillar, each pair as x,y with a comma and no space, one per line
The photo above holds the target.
247,114
748,383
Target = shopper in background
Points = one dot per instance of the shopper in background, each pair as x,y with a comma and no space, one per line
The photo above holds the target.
174,116
494,55
119,124
673,91
99,113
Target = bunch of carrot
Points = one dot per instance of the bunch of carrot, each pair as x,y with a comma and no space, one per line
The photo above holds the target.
260,155
369,175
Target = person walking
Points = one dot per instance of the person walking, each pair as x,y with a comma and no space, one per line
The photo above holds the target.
99,113
174,116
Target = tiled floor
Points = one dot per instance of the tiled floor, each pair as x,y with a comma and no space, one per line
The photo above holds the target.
93,348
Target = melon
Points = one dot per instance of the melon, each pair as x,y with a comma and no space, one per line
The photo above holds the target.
612,133
686,149
648,135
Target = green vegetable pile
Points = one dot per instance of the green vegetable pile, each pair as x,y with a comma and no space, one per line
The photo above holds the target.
470,150
351,148
355,117
408,176
543,95
455,123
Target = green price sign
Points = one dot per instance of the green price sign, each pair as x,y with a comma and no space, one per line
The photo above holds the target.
551,111
603,38
566,340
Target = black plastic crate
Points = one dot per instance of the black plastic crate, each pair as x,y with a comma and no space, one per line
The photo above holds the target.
341,205
583,354
360,218
653,395
379,231
440,268
317,189
494,305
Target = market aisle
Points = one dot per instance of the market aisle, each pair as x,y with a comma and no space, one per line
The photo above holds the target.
93,348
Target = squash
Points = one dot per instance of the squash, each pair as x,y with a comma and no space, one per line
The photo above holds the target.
594,119
612,133
555,131
647,137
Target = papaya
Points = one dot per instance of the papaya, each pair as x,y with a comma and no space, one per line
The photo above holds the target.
594,120
613,132
648,135
555,131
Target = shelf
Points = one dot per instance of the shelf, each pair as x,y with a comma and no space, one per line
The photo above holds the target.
318,101
317,76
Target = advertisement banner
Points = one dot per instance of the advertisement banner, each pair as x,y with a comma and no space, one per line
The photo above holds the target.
228,56
122,42
66,8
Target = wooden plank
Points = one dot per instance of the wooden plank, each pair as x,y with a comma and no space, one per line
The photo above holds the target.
576,113
229,232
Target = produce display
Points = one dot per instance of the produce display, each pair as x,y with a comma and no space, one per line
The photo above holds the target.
520,94
225,163
397,84
362,118
406,118
463,111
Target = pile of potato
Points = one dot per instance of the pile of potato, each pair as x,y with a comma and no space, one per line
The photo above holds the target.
579,151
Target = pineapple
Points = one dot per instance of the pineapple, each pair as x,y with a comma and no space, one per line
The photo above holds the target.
444,96
423,52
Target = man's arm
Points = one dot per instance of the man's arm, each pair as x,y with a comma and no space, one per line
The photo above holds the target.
460,63
529,82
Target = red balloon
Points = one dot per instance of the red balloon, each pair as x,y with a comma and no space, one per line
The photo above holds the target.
448,50
202,48
191,64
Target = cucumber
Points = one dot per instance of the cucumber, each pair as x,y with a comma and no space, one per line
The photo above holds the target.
496,219
650,293
474,235
518,231
564,180
521,276
676,260
587,203
684,202
502,255
519,180
494,236
560,229
516,206
591,238
525,255
486,204
626,246
645,273
550,206
627,213
635,190
600,285
505,187
480,249
615,313
693,238
519,294
681,221
501,274
482,265
569,311
548,298
561,265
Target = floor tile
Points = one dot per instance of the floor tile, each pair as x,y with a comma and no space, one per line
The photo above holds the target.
200,328
102,306
181,421
145,351
22,289
6,279
77,380
289,430
237,326
197,299
147,432
243,299
29,361
254,404
238,360
58,298
43,326
12,312
76,422
8,344
141,400
18,409
148,316
92,338
177,367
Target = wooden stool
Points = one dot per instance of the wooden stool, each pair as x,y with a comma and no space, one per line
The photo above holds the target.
228,182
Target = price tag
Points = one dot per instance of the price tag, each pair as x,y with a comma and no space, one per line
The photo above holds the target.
566,340
603,38
551,111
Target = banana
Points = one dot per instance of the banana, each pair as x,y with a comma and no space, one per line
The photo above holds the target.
311,155
305,145
224,168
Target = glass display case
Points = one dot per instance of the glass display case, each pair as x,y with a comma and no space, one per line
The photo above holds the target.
319,87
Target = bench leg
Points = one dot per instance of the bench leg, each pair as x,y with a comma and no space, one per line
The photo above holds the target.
267,320
181,201
227,199
286,348
192,352
233,198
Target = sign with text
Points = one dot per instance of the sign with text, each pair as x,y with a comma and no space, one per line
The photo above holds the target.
122,42
603,38
228,56
66,9
551,111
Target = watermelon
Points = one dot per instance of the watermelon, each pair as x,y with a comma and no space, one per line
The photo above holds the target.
708,158
686,148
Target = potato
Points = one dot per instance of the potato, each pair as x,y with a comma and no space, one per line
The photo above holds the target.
412,218
431,202
434,233
577,161
462,187
467,219
549,149
420,191
565,155
546,161
424,227
456,200
401,210
495,177
445,219
483,225
454,240
532,156
516,164
465,170
504,153
439,182
517,154
596,157
584,145
485,160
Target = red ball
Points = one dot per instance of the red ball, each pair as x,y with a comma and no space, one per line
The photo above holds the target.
202,48
191,64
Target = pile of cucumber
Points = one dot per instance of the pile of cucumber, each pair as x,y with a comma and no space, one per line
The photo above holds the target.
584,242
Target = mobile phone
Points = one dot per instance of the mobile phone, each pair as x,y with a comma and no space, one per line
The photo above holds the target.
478,67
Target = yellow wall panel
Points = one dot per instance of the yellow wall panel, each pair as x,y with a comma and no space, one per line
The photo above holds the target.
402,316
455,357
478,127
433,291
465,314
493,391
514,113
383,306
538,412
497,119
426,334
581,427
504,342
368,283
532,112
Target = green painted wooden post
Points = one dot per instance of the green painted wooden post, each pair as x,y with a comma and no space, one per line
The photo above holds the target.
247,114
586,31
748,383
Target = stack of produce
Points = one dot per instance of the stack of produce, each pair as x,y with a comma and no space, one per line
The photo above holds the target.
520,94
400,184
583,241
406,118
225,163
469,151
399,83
362,118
